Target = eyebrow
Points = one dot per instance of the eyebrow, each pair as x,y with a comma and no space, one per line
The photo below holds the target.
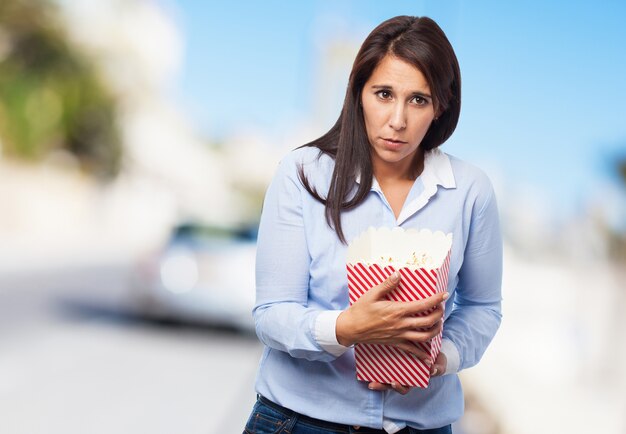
388,87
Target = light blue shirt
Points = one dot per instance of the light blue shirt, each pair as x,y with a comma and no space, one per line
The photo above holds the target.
302,282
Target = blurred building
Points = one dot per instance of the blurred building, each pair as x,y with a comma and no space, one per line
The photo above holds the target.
168,172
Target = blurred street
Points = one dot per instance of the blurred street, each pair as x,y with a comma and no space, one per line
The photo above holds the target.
147,131
75,359
72,360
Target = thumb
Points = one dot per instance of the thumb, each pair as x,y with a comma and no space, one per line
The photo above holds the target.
388,285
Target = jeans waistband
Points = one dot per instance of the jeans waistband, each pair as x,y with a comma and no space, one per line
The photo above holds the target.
318,423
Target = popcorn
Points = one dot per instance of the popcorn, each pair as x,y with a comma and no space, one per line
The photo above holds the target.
422,258
415,260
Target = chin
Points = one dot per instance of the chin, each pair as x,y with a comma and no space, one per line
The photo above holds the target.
391,156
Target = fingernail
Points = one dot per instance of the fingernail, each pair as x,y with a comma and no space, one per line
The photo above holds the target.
395,276
445,295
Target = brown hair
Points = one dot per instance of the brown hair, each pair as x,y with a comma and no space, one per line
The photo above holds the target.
420,42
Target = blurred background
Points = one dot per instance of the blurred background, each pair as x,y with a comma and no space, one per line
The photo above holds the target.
137,138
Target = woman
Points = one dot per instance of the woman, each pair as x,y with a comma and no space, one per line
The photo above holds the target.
378,166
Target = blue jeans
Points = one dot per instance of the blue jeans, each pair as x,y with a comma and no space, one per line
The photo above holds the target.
270,418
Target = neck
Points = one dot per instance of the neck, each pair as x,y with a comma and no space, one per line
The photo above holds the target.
407,169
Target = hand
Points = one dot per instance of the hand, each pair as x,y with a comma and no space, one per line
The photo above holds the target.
374,319
440,365
402,390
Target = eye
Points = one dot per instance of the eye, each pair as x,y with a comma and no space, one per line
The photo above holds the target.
384,94
419,100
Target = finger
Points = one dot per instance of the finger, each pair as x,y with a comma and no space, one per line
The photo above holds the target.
422,335
426,321
403,390
387,286
374,385
437,370
424,305
439,367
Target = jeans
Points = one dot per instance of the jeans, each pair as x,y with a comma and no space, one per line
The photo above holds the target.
270,418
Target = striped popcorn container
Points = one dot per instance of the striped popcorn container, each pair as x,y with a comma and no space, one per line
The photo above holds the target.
422,258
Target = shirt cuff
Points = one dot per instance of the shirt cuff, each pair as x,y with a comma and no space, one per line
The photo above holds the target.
325,334
452,355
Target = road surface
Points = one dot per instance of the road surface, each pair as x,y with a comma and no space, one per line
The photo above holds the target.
72,360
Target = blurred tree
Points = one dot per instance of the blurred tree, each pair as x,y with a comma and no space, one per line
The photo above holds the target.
51,97
618,238
621,169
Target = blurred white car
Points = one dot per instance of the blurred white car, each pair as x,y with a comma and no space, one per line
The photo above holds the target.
203,274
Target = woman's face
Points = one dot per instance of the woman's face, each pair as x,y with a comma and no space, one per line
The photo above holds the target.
398,110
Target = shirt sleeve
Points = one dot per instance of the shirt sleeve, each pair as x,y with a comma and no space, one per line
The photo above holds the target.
282,318
325,332
476,305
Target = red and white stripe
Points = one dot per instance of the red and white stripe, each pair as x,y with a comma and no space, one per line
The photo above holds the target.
386,363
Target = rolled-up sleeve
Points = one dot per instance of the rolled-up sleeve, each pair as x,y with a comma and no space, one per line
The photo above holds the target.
282,318
476,310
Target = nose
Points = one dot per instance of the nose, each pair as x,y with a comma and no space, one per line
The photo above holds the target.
397,118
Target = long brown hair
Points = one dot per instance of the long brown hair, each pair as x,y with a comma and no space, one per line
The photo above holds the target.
420,42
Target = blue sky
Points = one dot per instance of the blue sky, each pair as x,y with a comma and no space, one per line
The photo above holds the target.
543,82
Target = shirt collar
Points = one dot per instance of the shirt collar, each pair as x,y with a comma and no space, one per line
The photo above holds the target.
437,171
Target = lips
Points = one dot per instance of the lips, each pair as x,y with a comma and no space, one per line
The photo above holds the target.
399,142
393,145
